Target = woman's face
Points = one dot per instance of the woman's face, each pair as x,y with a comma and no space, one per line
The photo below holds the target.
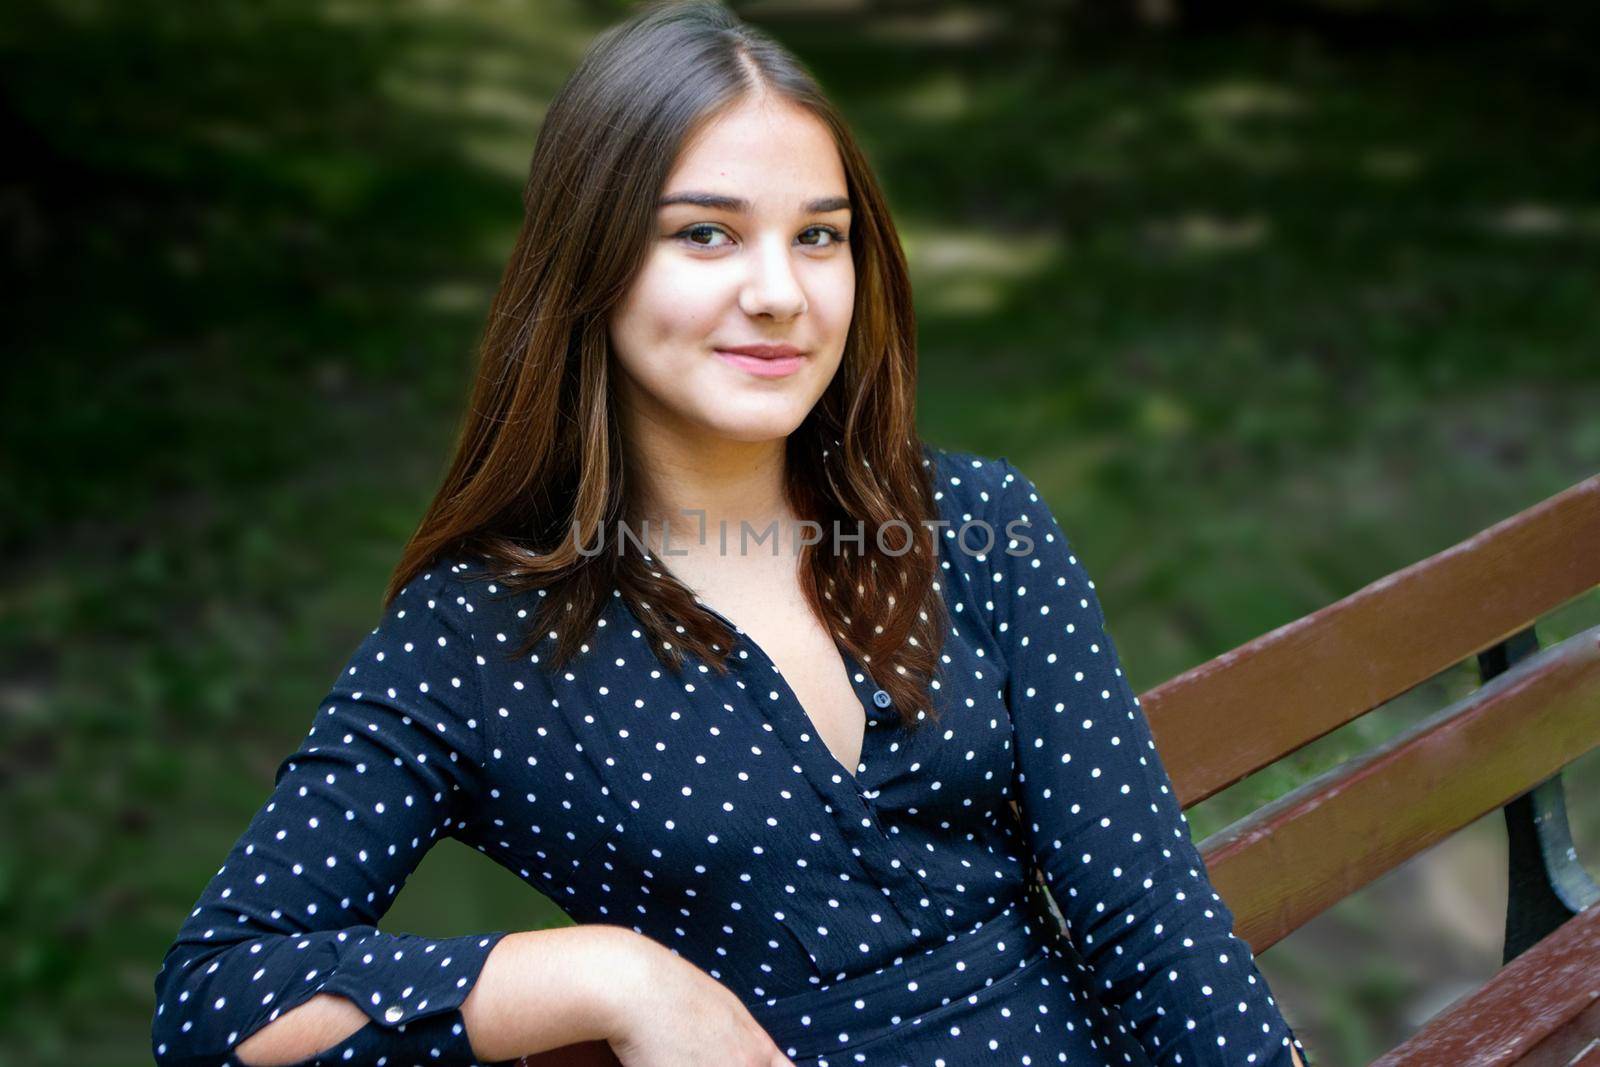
773,269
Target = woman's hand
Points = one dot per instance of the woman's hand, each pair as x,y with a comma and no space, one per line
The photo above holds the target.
670,1013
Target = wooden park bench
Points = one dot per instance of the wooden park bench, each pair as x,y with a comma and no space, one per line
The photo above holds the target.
1502,746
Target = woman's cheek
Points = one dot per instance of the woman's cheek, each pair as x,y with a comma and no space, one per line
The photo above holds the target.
840,306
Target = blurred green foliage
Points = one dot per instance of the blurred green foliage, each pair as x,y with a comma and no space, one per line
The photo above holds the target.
1269,306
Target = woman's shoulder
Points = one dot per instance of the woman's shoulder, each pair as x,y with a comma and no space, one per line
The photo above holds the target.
477,597
442,583
453,594
966,485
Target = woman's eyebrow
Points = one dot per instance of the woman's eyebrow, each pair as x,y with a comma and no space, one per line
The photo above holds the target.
718,202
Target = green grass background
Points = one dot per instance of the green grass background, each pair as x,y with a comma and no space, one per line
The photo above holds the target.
1268,308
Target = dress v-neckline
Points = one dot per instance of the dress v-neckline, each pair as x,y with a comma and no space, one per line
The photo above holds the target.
851,666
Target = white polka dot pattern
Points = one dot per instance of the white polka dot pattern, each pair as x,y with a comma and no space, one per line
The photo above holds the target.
391,762
1104,821
875,915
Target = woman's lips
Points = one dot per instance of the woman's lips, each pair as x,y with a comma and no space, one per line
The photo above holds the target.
760,367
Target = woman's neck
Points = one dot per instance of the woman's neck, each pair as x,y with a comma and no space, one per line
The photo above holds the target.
702,499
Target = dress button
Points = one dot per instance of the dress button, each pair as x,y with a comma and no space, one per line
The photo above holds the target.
395,1014
882,698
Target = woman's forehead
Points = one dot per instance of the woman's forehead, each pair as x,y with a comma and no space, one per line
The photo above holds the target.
767,157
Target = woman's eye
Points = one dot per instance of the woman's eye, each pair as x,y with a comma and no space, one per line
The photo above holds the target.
708,231
834,236
702,228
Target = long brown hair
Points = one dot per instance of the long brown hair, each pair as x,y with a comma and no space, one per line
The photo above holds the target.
539,466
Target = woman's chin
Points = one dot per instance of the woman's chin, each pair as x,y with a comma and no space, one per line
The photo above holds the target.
756,426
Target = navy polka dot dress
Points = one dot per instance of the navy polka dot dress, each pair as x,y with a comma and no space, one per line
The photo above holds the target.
887,914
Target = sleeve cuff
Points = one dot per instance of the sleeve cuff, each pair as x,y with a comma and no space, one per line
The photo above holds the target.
412,985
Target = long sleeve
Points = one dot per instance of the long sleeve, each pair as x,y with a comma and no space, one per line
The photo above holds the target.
393,759
1102,818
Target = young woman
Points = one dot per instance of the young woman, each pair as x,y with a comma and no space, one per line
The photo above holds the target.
783,706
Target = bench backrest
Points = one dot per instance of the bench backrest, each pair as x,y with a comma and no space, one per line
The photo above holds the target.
1502,746
1250,707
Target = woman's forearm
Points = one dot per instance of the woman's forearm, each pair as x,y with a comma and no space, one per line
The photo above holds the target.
545,989
538,990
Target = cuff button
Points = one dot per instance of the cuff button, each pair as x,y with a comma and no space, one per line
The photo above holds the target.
394,1014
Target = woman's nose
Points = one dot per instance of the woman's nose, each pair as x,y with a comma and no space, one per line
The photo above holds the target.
773,288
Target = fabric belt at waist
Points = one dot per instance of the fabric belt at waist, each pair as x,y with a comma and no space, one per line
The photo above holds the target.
862,1007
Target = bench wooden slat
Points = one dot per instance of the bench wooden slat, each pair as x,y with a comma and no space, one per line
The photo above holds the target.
1532,1012
584,1054
1590,1056
1578,1038
1245,709
1309,849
